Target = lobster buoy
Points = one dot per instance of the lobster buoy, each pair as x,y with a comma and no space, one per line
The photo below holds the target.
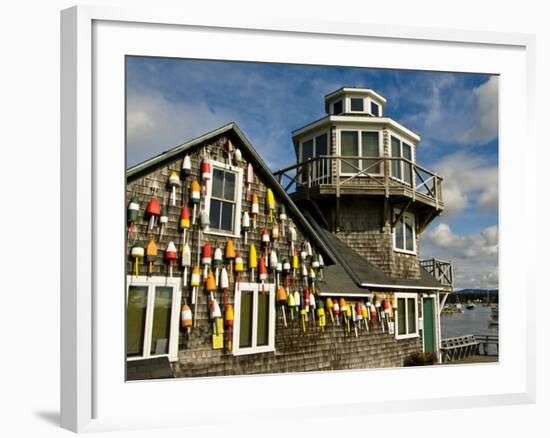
255,209
153,211
281,300
171,255
265,237
238,156
230,256
303,315
336,310
372,313
210,284
292,237
295,264
206,257
163,220
343,308
330,307
229,322
245,225
249,179
270,202
184,221
312,279
286,271
206,170
312,305
354,318
195,284
348,318
151,253
186,319
217,263
278,270
321,315
275,232
307,295
273,260
239,267
185,261
321,266
252,261
205,220
291,303
132,216
195,197
224,285
262,273
215,314
137,252
173,183
186,167
282,218
365,315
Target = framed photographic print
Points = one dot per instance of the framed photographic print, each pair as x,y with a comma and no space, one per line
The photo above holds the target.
258,209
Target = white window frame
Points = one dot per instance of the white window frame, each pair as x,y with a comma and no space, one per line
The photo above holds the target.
238,199
151,283
256,289
406,296
301,153
413,158
411,216
360,137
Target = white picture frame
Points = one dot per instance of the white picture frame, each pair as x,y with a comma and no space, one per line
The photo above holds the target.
94,396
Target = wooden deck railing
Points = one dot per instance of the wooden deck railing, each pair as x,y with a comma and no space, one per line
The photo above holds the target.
347,171
440,269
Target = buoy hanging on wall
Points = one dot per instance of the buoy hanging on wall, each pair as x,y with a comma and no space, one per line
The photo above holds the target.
224,285
262,271
151,253
336,310
330,307
186,319
281,300
153,211
133,214
282,218
255,209
245,226
239,267
321,315
291,303
137,252
229,321
217,263
163,220
195,197
195,284
249,181
184,221
270,203
171,255
206,257
252,261
230,256
185,261
186,167
206,172
173,183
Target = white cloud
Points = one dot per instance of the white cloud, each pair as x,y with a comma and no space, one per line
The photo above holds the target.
485,128
474,256
468,178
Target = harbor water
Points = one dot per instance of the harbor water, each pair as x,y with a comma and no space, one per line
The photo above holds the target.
470,322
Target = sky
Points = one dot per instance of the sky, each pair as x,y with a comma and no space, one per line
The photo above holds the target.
170,101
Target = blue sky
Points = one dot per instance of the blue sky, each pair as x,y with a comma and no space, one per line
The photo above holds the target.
170,101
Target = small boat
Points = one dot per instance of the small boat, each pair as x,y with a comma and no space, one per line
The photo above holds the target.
470,306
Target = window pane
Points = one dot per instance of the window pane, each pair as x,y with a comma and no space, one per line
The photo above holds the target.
262,333
135,320
245,324
215,213
411,310
407,168
399,235
217,183
370,147
409,234
337,107
395,152
349,146
321,145
401,321
227,216
161,320
374,109
229,188
357,104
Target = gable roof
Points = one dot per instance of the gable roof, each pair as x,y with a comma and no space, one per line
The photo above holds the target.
362,272
231,129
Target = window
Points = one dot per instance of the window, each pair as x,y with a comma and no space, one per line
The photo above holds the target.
407,316
404,238
400,169
337,107
374,109
356,104
254,327
152,315
315,147
224,200
365,145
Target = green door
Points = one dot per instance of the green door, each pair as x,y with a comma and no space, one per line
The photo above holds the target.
429,326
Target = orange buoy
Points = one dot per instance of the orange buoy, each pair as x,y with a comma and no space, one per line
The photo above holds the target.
151,253
186,319
230,255
281,300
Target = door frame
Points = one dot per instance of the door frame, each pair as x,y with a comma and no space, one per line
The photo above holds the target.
436,333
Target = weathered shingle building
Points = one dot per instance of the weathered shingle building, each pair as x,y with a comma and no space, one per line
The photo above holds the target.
233,269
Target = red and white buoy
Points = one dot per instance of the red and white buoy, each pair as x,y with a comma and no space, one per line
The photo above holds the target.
206,171
206,257
171,255
262,273
245,226
153,211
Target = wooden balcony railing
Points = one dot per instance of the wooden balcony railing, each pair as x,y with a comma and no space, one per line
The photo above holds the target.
440,269
341,172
